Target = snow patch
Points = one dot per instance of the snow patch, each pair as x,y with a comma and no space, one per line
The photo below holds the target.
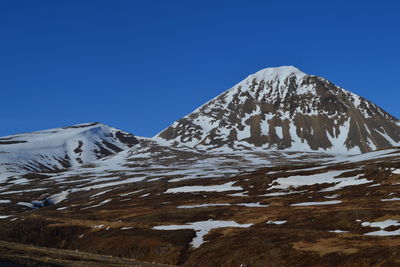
202,228
332,202
205,188
276,222
258,204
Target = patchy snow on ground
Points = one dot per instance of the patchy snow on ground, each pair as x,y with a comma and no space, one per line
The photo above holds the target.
320,178
130,193
384,233
332,202
205,188
391,199
338,231
382,225
276,222
57,198
126,228
258,204
97,205
202,228
379,154
332,196
27,204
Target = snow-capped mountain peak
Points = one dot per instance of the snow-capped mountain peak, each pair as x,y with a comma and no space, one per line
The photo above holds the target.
278,73
61,148
284,108
276,82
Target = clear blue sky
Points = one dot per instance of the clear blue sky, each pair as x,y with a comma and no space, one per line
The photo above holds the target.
140,65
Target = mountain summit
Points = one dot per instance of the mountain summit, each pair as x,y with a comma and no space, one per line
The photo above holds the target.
61,148
284,108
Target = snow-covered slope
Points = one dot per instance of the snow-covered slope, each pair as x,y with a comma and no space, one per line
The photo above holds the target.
60,148
285,108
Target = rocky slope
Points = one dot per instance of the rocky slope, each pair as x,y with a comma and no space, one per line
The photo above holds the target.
60,148
285,108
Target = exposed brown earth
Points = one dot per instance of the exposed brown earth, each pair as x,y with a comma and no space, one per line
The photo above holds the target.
123,227
28,255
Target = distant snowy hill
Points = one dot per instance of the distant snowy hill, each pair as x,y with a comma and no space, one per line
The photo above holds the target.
60,148
284,108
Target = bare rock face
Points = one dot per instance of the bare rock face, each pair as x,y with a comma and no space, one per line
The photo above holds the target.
284,108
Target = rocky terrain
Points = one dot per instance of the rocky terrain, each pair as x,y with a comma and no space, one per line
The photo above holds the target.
197,194
284,108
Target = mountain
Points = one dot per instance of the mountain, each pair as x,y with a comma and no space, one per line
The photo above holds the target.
60,148
284,108
248,179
